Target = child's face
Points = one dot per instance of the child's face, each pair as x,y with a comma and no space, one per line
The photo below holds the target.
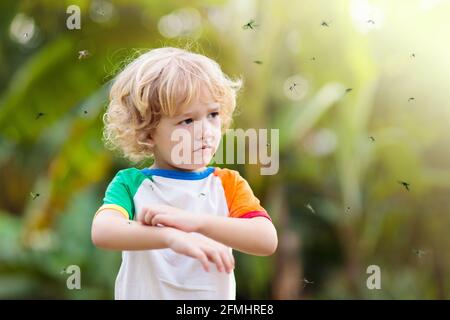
188,141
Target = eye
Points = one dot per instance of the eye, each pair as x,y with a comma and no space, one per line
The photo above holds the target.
214,114
186,121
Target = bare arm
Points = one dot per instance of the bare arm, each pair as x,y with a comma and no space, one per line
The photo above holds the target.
255,236
111,230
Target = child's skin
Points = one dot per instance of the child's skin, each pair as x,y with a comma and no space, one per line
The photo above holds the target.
213,234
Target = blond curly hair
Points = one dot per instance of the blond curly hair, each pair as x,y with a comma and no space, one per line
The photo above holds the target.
161,82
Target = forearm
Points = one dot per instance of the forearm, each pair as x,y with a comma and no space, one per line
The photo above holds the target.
116,233
255,236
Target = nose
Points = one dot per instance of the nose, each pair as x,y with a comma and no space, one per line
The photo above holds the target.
203,131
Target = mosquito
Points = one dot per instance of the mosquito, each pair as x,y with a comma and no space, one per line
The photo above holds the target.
34,195
83,54
405,184
310,208
250,25
40,114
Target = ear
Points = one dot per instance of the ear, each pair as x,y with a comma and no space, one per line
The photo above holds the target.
150,140
146,138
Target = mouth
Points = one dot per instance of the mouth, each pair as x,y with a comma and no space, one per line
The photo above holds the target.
204,147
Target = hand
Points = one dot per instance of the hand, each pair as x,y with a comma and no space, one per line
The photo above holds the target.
170,217
202,248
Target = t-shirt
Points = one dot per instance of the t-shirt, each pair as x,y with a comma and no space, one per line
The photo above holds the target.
163,273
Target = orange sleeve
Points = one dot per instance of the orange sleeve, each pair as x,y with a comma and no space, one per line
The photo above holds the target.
241,201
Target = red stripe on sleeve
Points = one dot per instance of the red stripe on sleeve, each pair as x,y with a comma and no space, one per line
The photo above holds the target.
253,214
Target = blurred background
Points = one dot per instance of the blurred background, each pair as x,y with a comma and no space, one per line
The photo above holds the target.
359,90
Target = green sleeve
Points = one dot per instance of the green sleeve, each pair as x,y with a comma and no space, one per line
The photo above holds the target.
122,188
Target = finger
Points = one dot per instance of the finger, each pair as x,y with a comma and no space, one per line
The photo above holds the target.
148,217
232,258
143,216
230,255
215,257
201,256
226,260
161,219
155,220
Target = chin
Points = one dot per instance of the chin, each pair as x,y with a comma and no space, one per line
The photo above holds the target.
199,161
197,165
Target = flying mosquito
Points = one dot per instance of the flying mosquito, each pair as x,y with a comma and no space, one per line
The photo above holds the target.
419,253
34,195
250,25
83,54
306,281
310,208
405,184
292,87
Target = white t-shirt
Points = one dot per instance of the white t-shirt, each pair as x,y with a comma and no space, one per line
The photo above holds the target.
163,273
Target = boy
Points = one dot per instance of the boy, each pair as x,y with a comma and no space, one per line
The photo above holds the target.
177,219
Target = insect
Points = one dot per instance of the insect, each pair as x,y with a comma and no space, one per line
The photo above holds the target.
25,35
313,59
250,25
34,195
85,112
347,210
40,114
348,90
370,21
83,54
372,138
413,55
258,62
405,184
306,281
310,208
324,24
411,99
202,194
419,252
292,87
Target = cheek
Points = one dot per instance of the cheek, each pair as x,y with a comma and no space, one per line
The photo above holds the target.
165,139
217,133
218,129
180,136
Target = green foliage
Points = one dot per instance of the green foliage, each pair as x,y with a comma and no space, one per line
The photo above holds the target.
349,132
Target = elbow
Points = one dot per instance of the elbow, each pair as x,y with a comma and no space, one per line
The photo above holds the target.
97,234
270,243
